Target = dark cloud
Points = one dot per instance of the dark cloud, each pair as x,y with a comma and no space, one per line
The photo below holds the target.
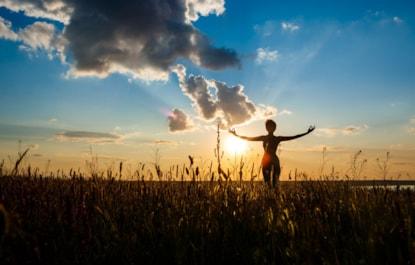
215,99
197,89
142,38
235,105
164,142
85,136
179,121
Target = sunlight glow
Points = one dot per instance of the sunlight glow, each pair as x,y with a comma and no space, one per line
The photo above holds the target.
234,145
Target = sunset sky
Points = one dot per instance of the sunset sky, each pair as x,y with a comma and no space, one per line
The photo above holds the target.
124,78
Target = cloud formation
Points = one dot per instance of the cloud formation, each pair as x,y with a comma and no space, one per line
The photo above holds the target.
179,121
57,10
263,55
92,137
140,38
213,99
6,31
42,36
39,36
290,27
143,39
118,138
397,20
164,142
285,112
346,131
196,8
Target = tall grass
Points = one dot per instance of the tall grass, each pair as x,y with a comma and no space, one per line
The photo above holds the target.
149,216
72,219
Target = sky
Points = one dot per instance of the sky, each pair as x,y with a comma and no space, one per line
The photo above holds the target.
119,80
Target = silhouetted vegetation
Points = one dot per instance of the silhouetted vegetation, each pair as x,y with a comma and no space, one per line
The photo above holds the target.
77,220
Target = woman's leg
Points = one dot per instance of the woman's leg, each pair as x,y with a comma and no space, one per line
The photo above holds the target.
276,171
266,172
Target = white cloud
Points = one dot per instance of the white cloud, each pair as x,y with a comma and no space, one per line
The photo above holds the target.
268,28
56,10
6,31
53,120
263,55
354,130
290,27
383,18
179,121
345,131
39,36
285,112
196,8
397,20
265,111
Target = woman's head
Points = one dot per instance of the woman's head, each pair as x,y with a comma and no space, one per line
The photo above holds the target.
270,125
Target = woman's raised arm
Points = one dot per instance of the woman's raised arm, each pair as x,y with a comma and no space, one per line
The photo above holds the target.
287,138
254,138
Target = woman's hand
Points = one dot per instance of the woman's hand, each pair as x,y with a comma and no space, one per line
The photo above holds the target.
311,128
232,131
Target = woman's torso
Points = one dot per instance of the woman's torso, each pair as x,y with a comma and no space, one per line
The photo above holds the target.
270,144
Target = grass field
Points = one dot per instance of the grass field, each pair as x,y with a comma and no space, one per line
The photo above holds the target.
79,220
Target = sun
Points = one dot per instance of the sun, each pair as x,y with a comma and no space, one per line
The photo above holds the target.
234,145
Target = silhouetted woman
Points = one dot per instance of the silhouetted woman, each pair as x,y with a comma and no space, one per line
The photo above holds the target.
270,162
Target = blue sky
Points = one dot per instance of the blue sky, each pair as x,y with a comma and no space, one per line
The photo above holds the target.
345,66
